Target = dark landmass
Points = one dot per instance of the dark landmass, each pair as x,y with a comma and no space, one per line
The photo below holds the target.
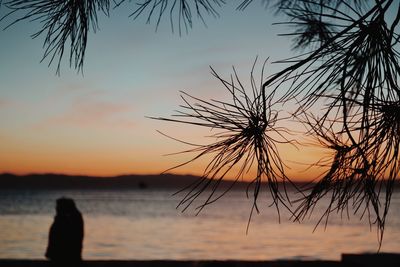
59,181
348,260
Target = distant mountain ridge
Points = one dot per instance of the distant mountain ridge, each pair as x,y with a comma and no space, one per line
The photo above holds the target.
61,181
132,181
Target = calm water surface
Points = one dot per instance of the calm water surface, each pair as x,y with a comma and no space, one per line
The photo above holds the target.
144,224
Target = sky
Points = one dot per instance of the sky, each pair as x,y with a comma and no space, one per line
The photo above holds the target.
96,123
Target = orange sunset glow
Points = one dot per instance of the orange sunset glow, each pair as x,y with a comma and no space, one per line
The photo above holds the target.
96,123
120,159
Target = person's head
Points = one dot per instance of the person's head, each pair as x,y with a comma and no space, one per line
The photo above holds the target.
65,206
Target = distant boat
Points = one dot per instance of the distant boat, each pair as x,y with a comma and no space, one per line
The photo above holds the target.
142,185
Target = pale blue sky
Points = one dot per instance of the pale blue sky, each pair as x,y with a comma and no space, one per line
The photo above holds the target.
95,123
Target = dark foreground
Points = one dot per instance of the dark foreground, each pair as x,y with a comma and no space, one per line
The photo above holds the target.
350,260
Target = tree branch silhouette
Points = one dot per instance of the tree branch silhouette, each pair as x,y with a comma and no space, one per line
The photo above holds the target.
181,10
246,131
356,70
63,22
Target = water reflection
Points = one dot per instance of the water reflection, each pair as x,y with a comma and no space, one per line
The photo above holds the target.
145,225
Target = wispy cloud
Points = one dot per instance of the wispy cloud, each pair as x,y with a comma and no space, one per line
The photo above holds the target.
92,111
6,103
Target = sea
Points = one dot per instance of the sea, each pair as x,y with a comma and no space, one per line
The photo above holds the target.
145,224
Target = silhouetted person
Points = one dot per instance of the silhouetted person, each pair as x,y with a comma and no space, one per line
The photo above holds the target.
66,233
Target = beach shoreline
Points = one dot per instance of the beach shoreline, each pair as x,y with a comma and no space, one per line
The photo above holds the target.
353,260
